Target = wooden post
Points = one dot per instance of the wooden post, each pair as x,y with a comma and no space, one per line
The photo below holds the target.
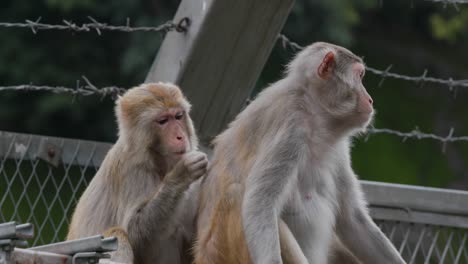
219,59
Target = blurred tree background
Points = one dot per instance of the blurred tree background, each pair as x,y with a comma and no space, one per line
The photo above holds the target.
411,35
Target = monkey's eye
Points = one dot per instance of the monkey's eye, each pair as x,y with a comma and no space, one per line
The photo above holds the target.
179,116
162,121
361,74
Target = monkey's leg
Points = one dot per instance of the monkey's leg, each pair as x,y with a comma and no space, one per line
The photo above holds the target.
224,240
291,253
339,254
124,253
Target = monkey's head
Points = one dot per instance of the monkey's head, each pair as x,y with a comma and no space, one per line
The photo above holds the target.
156,116
334,75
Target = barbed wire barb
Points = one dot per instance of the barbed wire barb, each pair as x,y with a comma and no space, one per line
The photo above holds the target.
450,134
98,30
286,42
94,25
423,76
385,74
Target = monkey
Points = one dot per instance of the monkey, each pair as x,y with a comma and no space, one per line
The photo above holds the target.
285,162
145,191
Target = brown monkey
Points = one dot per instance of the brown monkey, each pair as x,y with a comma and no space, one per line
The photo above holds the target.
143,191
286,159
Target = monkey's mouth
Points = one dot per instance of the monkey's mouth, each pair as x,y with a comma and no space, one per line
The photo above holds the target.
366,111
179,153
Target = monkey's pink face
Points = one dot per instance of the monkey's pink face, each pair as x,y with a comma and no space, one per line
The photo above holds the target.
343,93
173,132
364,102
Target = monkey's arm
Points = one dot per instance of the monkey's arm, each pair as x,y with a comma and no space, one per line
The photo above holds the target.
266,188
357,230
155,214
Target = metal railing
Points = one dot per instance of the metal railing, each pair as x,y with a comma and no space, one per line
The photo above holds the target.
41,179
81,251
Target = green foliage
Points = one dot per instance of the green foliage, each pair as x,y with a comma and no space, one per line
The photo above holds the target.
450,28
332,20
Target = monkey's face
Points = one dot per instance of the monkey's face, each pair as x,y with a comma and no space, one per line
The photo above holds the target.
155,117
342,93
363,110
172,133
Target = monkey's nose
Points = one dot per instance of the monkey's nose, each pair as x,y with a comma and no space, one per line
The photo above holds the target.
179,138
371,101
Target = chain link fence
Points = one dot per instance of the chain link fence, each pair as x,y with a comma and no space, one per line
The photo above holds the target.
42,178
423,243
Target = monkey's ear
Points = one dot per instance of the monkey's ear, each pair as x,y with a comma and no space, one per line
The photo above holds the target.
325,68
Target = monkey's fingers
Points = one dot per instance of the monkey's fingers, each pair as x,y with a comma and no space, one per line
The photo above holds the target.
197,174
199,168
201,165
194,157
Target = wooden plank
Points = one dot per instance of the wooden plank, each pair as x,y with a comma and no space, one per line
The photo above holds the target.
218,61
416,198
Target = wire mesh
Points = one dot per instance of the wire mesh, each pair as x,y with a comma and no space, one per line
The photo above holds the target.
428,244
34,190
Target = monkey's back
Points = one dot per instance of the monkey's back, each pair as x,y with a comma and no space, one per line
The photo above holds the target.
92,214
220,230
220,233
101,205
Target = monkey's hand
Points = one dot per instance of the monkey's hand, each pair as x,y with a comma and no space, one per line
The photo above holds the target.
190,167
160,207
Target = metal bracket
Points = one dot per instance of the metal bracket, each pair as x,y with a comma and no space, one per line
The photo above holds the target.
49,152
7,246
88,244
13,231
10,244
5,257
11,236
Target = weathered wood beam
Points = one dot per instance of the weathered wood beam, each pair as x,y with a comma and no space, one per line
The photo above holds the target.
219,59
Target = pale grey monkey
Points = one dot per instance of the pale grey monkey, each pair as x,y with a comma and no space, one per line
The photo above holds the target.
286,157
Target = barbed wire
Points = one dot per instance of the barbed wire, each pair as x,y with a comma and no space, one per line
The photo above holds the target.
89,89
35,26
450,82
85,89
449,1
454,3
417,134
